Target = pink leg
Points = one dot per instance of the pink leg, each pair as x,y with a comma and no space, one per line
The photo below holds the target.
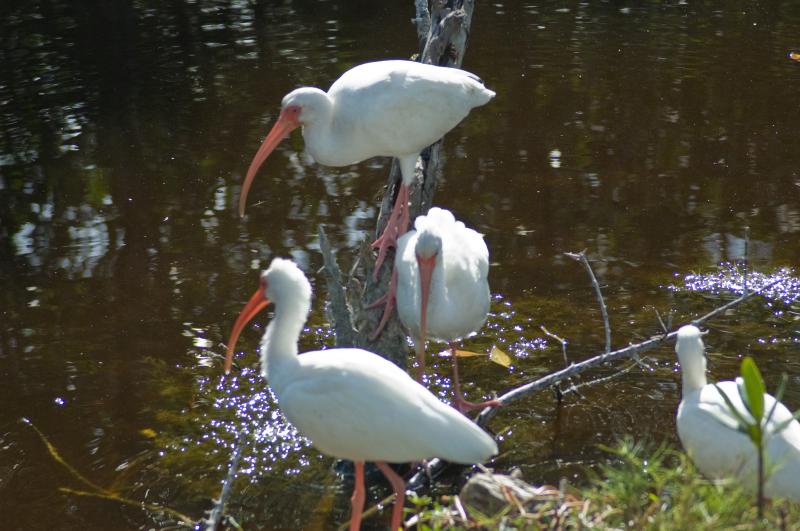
357,500
461,404
399,487
388,300
395,227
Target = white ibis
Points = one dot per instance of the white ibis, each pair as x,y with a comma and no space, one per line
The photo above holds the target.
352,404
385,108
709,434
442,291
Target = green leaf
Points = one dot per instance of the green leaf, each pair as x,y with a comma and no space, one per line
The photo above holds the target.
743,423
783,425
723,416
778,396
754,388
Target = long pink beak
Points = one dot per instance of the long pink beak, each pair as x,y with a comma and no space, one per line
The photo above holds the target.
287,122
256,303
426,266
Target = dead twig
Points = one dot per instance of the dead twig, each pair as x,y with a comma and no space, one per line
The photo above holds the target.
581,257
574,388
664,327
215,516
562,341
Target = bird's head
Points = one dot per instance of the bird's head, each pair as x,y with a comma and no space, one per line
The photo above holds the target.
300,107
304,105
690,349
429,245
284,284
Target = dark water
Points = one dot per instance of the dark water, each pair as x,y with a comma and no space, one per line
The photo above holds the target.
650,134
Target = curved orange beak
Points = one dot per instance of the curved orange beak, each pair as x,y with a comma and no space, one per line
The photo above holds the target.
426,266
256,303
287,122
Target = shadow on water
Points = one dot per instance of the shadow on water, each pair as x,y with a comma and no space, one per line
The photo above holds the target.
649,135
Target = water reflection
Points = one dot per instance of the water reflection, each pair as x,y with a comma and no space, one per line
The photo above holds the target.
650,135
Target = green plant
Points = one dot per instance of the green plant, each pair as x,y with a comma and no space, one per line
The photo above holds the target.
755,423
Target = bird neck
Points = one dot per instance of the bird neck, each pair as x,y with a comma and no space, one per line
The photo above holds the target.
319,128
693,375
279,346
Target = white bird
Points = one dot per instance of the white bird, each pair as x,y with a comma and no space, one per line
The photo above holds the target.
708,430
442,289
385,108
352,404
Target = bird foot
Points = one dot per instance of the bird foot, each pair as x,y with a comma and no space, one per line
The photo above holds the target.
388,300
396,226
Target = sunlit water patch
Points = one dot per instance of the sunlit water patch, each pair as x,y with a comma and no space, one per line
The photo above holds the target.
779,290
242,402
781,286
512,330
245,403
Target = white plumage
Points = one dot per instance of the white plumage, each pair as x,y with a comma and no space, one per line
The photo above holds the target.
351,403
707,428
442,273
459,287
385,108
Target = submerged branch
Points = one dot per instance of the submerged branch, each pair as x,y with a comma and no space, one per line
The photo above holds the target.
98,491
180,517
53,451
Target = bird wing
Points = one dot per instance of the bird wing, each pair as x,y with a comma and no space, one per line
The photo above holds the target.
399,107
355,405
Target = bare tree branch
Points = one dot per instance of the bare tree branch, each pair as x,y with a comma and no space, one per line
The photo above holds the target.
445,46
340,313
422,21
627,352
436,466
